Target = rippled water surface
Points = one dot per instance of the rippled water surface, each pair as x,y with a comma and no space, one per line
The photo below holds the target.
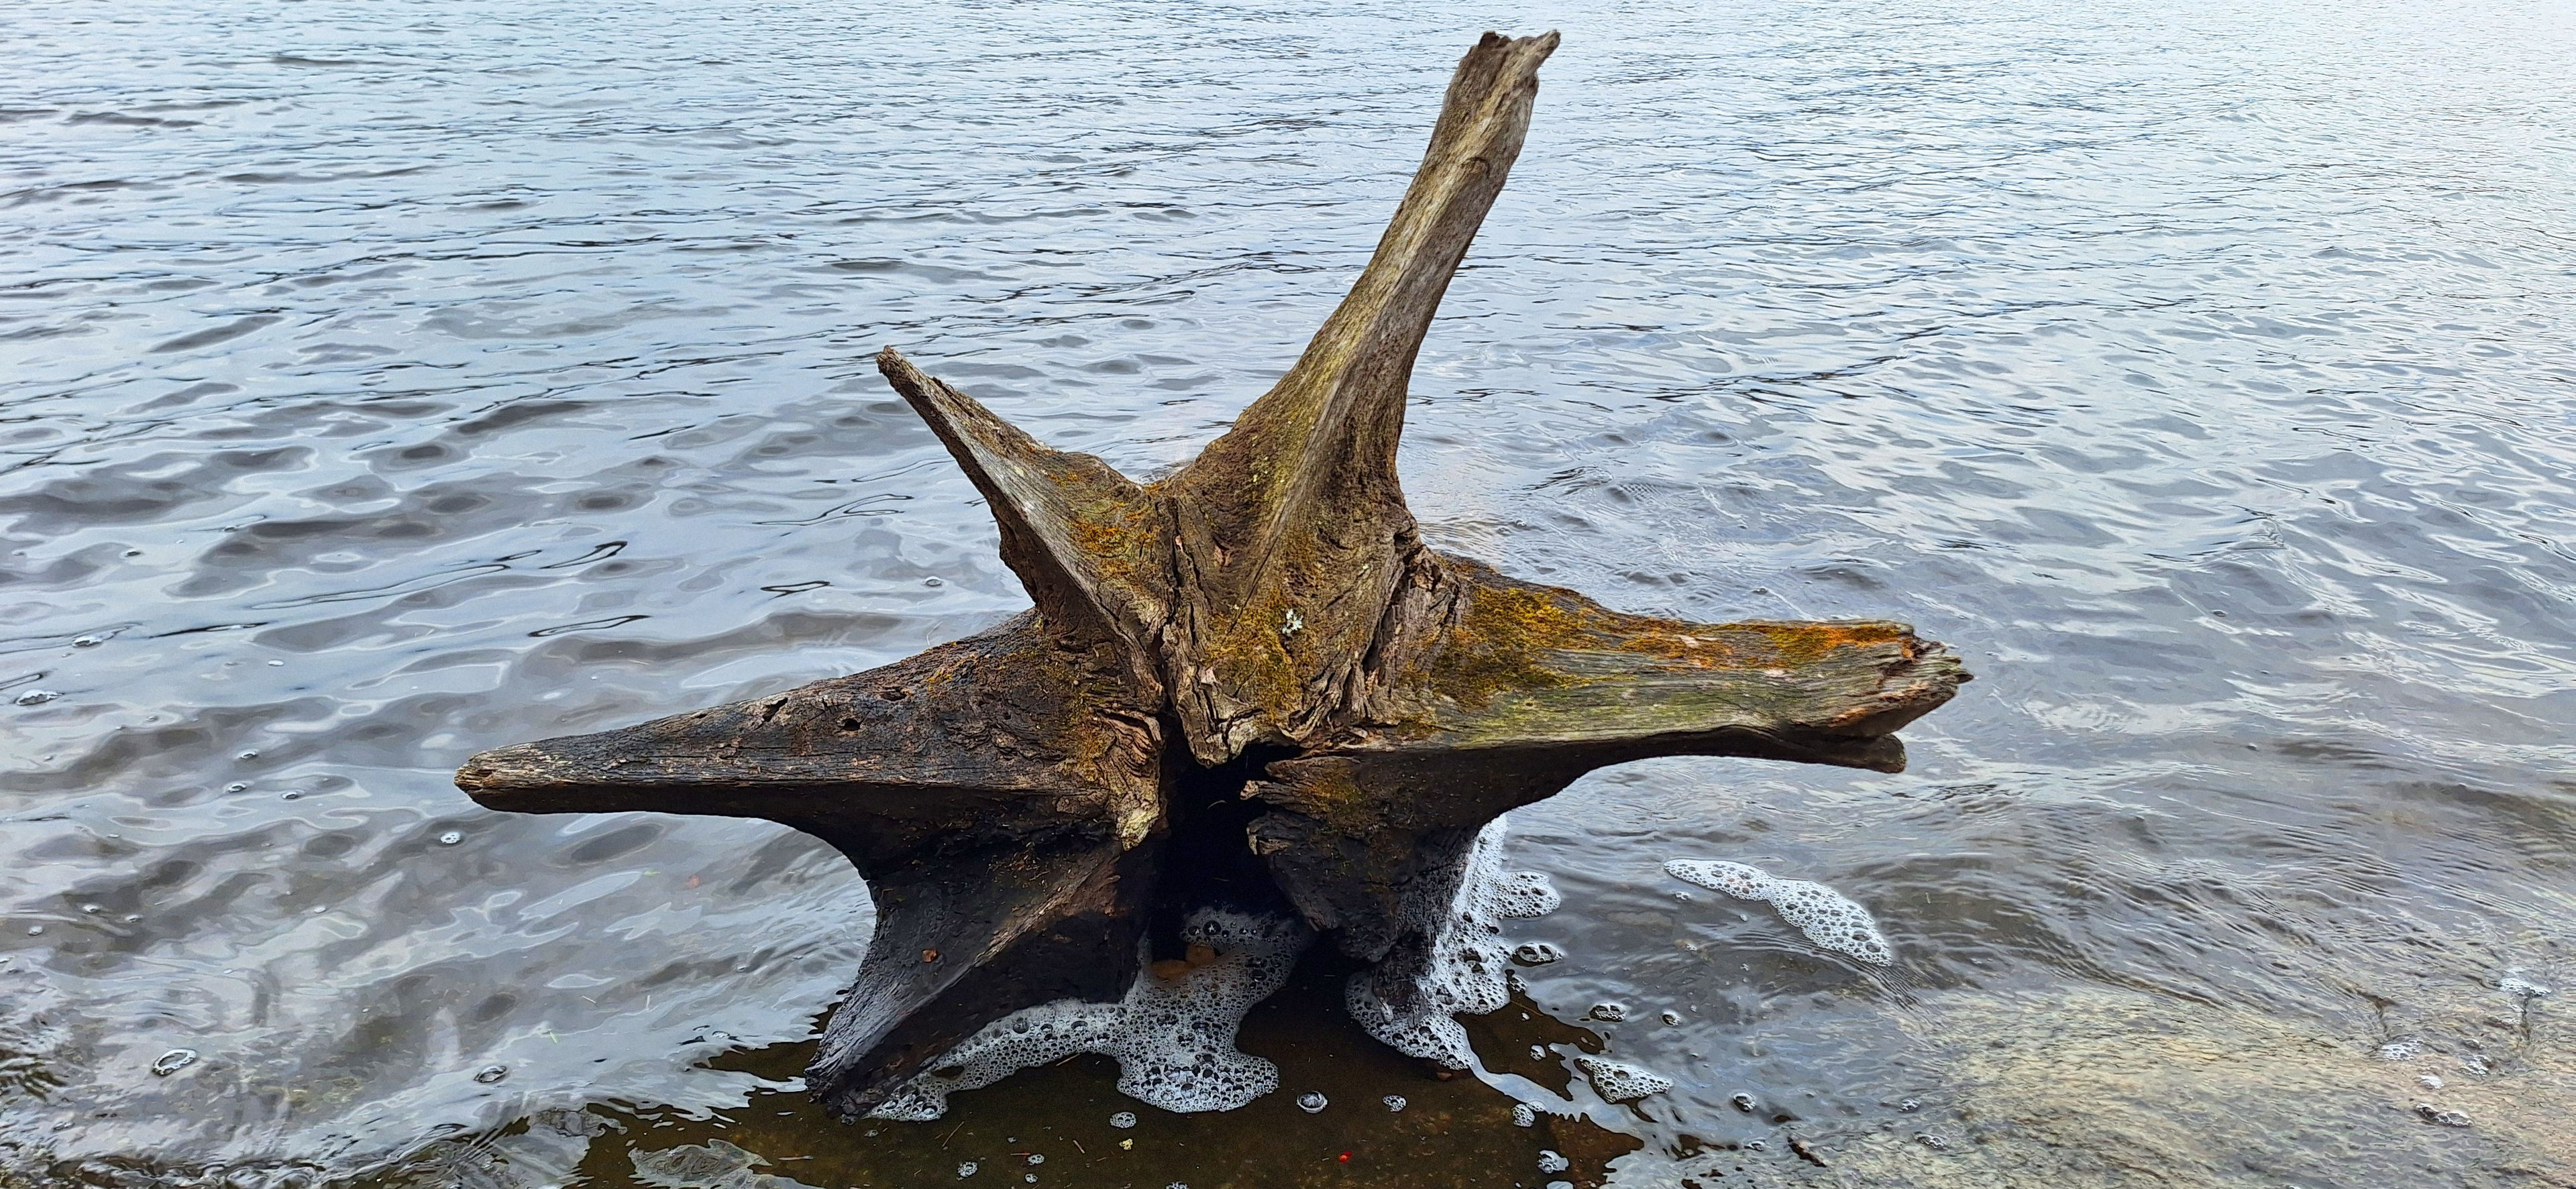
389,381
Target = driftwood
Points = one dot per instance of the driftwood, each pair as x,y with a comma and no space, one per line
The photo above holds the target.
1249,683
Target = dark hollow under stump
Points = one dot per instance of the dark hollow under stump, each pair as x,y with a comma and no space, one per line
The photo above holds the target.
1249,683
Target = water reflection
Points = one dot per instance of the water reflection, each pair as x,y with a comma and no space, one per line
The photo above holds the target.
388,383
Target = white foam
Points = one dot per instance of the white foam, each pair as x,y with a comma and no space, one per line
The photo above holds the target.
1457,915
1826,916
1618,1082
1173,1038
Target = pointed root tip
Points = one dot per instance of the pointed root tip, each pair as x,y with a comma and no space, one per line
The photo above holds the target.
511,779
910,382
891,364
1542,45
530,778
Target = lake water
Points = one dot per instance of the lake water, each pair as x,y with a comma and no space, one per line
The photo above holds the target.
388,381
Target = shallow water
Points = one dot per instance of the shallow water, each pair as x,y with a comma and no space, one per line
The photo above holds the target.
389,381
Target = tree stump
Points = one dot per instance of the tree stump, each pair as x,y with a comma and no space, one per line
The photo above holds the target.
1247,684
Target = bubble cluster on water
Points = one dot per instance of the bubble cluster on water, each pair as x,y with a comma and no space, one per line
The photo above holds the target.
1394,1102
1828,918
965,1170
36,697
1312,1102
1524,1115
1617,1081
1173,1038
1552,1162
2402,1049
1123,1120
173,1061
2514,984
1458,912
2439,1117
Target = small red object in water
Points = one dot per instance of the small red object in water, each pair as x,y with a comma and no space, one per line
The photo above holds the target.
1346,1157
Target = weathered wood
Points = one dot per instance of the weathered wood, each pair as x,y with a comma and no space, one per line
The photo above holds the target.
1250,683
